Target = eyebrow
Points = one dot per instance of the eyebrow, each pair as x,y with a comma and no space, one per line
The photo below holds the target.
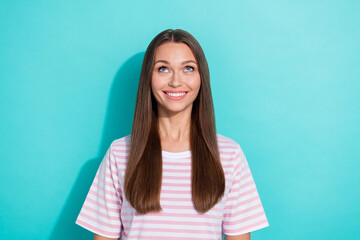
184,62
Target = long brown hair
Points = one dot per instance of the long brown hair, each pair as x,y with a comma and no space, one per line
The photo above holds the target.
144,167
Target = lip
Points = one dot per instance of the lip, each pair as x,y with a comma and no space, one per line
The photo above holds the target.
175,98
173,91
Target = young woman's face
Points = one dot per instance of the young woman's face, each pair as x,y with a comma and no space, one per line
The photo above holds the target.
175,79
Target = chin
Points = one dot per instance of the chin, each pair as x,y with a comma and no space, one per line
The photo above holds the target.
175,110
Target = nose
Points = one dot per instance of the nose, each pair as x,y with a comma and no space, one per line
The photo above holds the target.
175,80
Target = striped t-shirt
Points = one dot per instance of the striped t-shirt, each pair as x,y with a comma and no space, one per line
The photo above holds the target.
106,211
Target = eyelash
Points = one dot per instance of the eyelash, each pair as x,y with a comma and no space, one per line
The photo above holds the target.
161,68
185,68
190,67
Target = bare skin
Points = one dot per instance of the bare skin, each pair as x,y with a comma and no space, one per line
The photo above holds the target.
245,236
98,237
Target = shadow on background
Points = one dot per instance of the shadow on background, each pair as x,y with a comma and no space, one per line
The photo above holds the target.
118,120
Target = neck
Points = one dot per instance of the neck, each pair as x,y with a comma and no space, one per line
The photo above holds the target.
174,130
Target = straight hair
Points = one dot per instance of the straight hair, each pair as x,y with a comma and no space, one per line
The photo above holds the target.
143,175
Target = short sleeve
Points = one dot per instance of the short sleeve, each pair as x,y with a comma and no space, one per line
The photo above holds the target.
243,211
100,212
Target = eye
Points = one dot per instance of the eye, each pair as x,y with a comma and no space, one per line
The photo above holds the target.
189,69
162,69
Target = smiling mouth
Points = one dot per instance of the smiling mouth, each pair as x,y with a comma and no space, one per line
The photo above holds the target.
177,94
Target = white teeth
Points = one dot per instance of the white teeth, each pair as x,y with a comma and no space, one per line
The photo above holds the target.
176,94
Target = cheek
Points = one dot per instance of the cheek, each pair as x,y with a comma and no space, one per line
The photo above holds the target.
155,83
196,82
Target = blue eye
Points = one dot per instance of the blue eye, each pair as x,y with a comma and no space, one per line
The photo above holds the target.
189,69
162,69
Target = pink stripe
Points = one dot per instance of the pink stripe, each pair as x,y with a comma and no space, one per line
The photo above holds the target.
237,168
101,223
227,147
188,178
243,211
96,229
227,160
171,207
104,207
167,230
100,213
101,188
159,238
182,178
109,184
170,222
165,191
228,165
241,195
120,151
250,200
247,228
109,176
242,185
183,164
226,153
124,141
96,194
223,139
123,164
247,184
235,190
111,167
247,175
180,215
243,220
176,177
185,215
186,198
187,185
176,170
115,147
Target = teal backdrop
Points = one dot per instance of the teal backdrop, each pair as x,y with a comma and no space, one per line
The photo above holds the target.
285,82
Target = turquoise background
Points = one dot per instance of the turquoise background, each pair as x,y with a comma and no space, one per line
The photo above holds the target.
285,82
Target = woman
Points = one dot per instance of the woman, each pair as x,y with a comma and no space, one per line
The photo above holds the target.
174,177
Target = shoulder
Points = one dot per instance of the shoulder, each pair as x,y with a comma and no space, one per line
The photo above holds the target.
121,142
120,147
228,145
231,153
231,156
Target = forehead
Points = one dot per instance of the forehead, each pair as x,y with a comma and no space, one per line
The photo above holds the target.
174,52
